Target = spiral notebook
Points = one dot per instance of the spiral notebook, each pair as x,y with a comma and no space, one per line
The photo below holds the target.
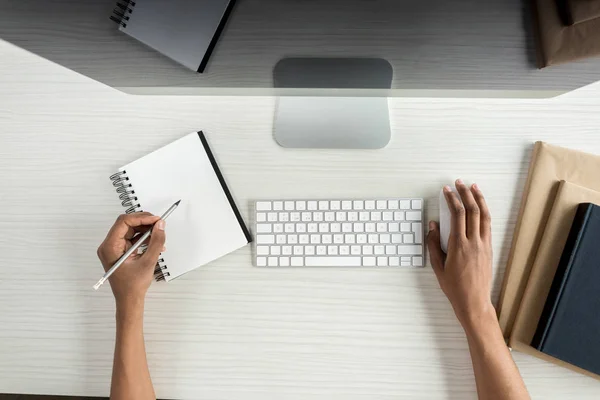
184,30
206,225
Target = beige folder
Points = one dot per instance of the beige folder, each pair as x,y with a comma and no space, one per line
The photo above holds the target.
544,268
549,165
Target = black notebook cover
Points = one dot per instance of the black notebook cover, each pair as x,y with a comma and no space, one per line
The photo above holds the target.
569,328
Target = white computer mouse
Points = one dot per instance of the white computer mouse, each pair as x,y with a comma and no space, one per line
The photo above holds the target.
445,219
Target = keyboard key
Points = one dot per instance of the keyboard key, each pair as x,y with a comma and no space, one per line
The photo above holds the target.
338,238
336,227
284,217
275,250
297,261
346,205
281,239
370,227
288,205
278,206
394,261
298,250
388,216
272,262
262,250
344,250
323,227
379,249
327,239
358,227
405,259
263,228
323,205
300,205
284,261
346,227
329,216
418,261
384,238
367,250
369,261
397,238
295,216
278,228
376,216
417,204
381,204
405,227
332,250
352,216
286,250
318,216
292,239
301,228
340,216
309,250
361,238
405,204
306,216
390,250
336,205
289,228
405,263
265,239
369,205
338,261
382,261
364,216
311,205
399,216
418,231
413,215
393,205
410,249
382,227
408,238
263,206
393,227
261,217
315,239
358,204
355,250
373,238
321,250
272,217
313,228
261,261
303,239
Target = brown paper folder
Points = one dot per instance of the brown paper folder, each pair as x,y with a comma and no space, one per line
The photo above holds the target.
558,43
544,267
549,165
582,10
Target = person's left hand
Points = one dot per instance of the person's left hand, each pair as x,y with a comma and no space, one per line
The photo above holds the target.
131,281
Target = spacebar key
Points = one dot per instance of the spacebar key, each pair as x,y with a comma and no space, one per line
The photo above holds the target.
332,261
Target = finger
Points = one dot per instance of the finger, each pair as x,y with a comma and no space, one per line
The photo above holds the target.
123,228
471,209
485,216
156,244
436,255
457,213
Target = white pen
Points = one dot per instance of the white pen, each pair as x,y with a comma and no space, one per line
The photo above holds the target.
133,248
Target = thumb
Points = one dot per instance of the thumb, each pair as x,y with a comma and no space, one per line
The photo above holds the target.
157,242
436,255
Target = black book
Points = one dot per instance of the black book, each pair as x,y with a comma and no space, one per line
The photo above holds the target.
569,328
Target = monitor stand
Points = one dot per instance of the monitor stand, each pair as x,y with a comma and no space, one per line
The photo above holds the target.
357,122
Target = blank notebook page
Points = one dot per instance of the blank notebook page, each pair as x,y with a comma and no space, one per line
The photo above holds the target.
204,227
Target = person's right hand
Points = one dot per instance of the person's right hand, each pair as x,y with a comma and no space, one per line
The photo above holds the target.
131,280
465,273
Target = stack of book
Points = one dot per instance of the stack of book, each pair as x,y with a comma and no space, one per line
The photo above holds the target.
550,301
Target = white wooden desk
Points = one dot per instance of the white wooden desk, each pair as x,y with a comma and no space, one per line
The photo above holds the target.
228,330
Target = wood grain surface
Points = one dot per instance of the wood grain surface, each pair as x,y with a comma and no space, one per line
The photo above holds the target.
229,330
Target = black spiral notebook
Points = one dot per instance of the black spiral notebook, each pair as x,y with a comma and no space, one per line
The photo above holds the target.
183,30
569,328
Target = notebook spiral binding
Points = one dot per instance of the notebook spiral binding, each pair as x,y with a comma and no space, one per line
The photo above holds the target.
129,200
122,12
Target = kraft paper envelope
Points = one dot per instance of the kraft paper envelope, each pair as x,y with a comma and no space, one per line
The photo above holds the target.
549,165
582,10
546,262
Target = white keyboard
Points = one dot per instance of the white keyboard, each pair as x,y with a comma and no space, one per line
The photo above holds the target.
339,233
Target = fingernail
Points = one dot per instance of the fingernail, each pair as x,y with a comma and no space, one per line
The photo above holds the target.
160,224
475,186
447,188
459,182
431,226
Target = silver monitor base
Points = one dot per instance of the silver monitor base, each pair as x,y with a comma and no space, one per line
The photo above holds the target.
332,122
